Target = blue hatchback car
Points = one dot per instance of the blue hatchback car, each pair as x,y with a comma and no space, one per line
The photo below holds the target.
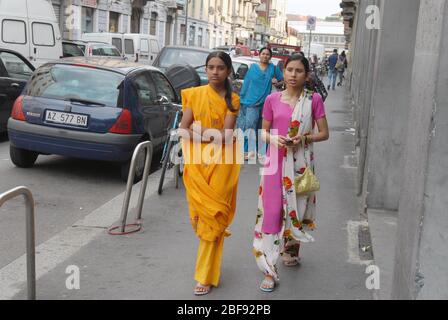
91,108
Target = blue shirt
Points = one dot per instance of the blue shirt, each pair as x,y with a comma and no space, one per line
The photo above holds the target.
332,61
257,84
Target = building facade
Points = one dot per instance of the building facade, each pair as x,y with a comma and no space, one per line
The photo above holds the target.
328,33
211,23
271,23
122,16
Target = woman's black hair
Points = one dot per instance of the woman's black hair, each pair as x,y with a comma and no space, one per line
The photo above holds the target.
228,62
266,48
301,58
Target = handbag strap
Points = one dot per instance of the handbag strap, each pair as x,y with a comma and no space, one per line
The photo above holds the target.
304,150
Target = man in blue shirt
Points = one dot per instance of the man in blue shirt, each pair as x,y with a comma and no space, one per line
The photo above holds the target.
332,72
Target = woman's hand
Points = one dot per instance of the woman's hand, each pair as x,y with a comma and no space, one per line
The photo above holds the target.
278,141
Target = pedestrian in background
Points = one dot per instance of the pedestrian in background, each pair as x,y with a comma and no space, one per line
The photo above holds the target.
341,65
256,87
285,218
212,203
332,72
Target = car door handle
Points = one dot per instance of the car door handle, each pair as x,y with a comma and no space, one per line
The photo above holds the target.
15,85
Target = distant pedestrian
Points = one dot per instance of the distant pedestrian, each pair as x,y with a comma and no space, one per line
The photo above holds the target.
332,72
257,86
284,218
341,65
211,186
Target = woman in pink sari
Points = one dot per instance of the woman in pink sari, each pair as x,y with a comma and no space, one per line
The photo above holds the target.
285,218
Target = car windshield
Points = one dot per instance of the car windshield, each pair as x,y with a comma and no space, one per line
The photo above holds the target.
65,82
183,56
102,50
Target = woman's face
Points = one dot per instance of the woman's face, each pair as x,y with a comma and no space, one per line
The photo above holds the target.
265,56
217,71
294,74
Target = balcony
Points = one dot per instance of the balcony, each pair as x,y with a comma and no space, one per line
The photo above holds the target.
256,2
238,20
250,24
180,3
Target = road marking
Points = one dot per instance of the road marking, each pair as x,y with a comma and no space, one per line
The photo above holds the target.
65,244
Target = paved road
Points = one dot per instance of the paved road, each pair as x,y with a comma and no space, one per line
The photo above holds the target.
64,189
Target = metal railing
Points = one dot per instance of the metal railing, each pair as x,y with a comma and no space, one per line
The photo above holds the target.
30,235
124,211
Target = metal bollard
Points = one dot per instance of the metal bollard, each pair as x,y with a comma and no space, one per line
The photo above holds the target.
30,235
124,211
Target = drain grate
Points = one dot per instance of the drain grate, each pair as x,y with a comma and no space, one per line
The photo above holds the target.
365,243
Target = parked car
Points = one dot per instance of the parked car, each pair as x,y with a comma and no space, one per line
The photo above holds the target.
73,48
15,70
195,57
283,51
91,108
89,49
237,51
30,28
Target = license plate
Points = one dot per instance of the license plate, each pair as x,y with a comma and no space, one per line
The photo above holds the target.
72,119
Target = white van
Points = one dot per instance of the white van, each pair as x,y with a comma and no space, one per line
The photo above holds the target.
146,47
134,46
30,27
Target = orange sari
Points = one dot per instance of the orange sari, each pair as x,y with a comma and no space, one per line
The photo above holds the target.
211,188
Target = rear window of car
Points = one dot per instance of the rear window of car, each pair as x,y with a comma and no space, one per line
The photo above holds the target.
71,50
105,50
58,81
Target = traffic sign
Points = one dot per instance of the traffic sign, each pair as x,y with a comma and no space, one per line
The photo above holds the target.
311,23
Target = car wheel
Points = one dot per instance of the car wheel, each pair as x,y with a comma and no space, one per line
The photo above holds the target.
139,167
22,158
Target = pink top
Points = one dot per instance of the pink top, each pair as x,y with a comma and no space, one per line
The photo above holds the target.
279,114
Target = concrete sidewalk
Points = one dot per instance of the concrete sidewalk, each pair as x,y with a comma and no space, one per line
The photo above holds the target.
158,262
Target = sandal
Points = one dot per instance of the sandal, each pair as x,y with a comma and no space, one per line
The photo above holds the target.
267,285
201,290
291,262
290,259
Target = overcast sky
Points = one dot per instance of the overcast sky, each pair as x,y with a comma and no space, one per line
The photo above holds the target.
318,8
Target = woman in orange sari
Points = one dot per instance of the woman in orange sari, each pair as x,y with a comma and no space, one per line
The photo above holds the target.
210,175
